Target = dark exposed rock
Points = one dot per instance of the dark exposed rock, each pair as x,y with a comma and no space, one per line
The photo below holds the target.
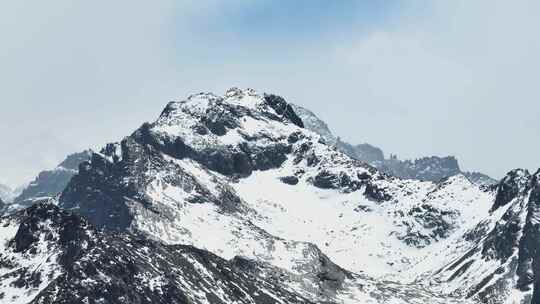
375,193
290,180
325,180
271,156
528,269
219,121
329,180
245,264
294,137
438,222
363,208
71,230
478,232
514,183
99,192
283,108
503,239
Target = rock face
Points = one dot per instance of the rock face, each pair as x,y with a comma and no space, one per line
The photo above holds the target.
432,168
49,183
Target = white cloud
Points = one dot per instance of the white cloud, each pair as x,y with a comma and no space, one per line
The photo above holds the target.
461,81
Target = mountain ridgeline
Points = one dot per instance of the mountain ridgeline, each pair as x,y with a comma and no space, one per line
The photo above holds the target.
51,182
241,199
47,185
433,168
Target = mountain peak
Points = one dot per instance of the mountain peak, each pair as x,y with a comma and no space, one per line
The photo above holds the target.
235,92
240,101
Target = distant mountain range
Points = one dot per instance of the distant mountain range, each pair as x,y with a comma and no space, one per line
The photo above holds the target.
432,168
48,183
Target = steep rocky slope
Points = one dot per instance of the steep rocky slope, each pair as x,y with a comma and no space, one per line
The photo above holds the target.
53,256
433,168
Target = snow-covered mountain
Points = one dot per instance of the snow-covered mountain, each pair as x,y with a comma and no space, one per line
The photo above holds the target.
49,183
433,168
278,216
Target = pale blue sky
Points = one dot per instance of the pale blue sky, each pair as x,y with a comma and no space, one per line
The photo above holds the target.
413,77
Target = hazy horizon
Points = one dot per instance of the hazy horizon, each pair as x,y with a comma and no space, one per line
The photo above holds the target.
415,78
